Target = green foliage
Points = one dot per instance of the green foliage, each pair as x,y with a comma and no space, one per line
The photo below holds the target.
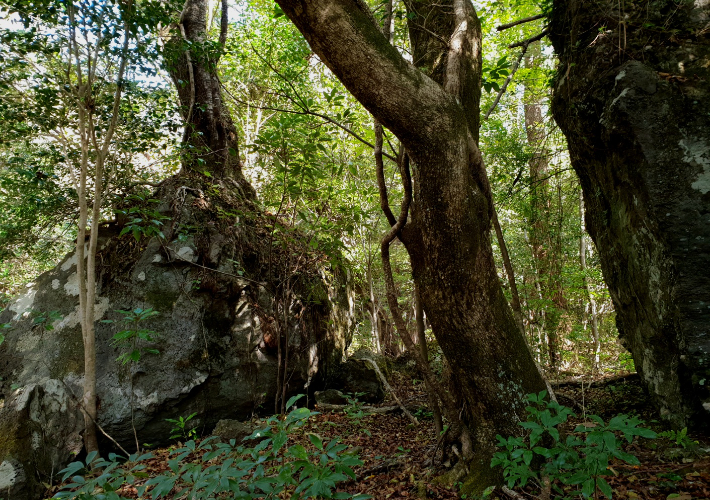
3,326
574,464
46,319
210,469
180,428
133,335
141,219
680,438
354,411
494,74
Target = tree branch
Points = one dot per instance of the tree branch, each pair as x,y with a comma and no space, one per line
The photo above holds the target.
520,21
384,199
524,44
502,90
528,41
308,112
343,35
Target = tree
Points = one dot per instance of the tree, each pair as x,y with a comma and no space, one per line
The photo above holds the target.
448,234
629,95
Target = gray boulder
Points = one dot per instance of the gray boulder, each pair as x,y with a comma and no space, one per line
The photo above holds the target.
228,429
330,397
217,334
357,376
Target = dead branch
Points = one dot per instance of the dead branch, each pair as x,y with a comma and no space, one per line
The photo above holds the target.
391,391
574,382
511,494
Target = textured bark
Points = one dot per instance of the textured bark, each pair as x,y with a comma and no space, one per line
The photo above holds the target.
210,139
632,96
448,234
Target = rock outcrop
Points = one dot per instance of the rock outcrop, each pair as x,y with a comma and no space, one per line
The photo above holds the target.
215,282
631,95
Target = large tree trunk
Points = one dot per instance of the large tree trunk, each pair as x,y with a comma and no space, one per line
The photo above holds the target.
448,234
210,142
632,96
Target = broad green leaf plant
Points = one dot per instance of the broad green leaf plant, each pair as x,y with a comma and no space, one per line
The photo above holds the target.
211,468
572,465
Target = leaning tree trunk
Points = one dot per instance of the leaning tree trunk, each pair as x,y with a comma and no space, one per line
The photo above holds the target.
632,95
448,234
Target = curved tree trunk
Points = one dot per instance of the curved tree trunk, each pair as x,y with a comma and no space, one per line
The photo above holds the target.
448,234
632,95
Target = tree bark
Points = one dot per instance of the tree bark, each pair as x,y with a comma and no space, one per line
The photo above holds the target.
210,141
448,233
631,96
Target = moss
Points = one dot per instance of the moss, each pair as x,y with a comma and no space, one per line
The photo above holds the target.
162,300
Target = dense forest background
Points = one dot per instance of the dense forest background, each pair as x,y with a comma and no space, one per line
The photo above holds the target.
307,150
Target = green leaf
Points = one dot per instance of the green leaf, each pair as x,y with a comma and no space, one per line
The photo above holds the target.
604,487
588,488
316,440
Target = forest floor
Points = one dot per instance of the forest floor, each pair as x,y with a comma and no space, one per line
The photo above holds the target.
398,455
669,469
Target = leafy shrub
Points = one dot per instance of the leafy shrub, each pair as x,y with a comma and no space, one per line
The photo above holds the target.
574,465
210,468
134,334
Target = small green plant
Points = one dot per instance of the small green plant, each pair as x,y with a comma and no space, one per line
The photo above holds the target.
211,469
680,438
131,337
46,319
354,412
180,428
575,465
3,326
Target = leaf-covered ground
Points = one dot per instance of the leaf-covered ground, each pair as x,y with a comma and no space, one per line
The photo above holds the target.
399,457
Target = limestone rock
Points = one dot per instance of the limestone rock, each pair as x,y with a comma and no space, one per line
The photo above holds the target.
217,337
638,128
357,376
233,429
331,397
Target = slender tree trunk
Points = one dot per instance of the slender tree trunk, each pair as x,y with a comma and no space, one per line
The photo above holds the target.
541,234
508,266
86,250
421,337
592,301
